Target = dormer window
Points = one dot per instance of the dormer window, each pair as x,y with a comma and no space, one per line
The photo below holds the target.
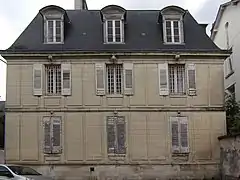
114,31
172,18
113,18
54,32
54,18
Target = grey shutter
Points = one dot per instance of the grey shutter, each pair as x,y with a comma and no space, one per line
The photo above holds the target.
120,126
100,79
47,135
37,79
184,134
163,79
66,79
191,69
175,135
111,135
56,135
128,78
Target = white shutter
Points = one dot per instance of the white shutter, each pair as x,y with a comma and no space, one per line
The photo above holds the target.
56,135
66,79
163,79
47,135
128,78
37,79
184,134
191,70
100,79
175,134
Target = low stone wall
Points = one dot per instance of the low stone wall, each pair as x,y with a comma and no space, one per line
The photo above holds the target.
131,172
230,157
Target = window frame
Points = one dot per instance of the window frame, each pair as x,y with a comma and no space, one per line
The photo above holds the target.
175,81
55,93
228,67
173,18
115,121
54,37
114,31
114,79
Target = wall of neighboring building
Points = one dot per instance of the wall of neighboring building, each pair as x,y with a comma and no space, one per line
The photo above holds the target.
147,114
230,157
230,16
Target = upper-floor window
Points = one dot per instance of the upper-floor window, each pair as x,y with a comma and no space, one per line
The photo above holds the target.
113,18
114,78
53,79
114,31
54,33
173,31
176,79
172,21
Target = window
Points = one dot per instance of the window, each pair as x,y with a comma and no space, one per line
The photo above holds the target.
179,126
114,31
116,134
114,78
231,91
21,170
228,67
177,79
53,79
52,134
54,31
5,172
173,31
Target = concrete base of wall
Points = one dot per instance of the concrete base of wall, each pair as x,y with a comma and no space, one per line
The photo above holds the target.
130,172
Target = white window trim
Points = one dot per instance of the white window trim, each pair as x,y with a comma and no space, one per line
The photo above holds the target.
176,82
54,31
180,28
114,33
115,81
54,83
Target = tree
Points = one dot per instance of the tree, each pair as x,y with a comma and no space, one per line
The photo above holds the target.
232,115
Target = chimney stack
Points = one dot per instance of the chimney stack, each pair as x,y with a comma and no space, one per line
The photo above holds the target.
80,4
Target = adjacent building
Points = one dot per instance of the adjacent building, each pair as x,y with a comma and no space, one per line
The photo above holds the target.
115,94
225,33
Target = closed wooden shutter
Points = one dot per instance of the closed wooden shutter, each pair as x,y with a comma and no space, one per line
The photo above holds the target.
37,79
100,78
175,134
111,134
163,79
47,135
120,126
66,79
184,134
128,78
191,69
56,135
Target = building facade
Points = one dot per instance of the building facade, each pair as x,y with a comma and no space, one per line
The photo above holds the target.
115,94
225,33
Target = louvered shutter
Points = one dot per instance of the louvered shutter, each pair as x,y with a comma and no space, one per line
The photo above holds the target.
175,135
163,79
184,134
111,135
47,135
128,78
191,69
56,135
100,79
120,126
66,79
37,79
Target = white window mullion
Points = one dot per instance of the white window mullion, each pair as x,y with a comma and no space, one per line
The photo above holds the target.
114,31
172,30
179,31
121,31
54,31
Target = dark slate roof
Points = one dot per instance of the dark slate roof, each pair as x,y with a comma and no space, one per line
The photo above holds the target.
85,34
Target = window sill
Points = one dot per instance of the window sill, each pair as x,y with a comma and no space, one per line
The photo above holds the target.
114,43
53,96
116,156
180,154
114,96
171,43
178,96
229,74
54,43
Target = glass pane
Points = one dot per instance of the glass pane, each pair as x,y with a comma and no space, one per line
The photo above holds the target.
168,24
118,38
169,38
109,24
117,24
175,24
50,31
117,31
176,39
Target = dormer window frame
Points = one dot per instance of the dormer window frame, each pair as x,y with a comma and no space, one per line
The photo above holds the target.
54,30
54,19
114,28
173,19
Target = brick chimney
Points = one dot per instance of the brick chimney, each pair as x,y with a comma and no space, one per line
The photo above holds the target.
80,4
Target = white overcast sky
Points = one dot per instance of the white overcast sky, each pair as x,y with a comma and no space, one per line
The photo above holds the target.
15,15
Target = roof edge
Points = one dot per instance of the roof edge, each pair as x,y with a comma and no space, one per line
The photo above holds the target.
228,136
